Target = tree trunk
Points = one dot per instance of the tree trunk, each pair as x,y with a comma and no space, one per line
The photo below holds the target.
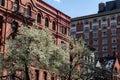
69,76
12,77
26,72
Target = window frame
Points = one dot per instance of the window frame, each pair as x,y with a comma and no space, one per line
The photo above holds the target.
53,25
2,2
16,5
46,22
64,30
39,18
28,11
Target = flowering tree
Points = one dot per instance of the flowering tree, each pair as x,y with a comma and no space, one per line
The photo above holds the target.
32,47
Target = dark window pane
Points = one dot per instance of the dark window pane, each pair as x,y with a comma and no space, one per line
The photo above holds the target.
45,75
28,11
14,26
2,2
39,18
64,30
46,22
16,5
53,26
37,74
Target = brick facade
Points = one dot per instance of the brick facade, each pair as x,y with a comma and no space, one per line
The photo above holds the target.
14,13
100,31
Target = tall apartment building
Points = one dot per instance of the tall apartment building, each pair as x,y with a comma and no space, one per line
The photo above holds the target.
14,13
100,30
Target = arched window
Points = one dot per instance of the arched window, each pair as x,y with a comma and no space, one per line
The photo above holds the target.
38,18
64,30
16,5
14,28
53,26
2,2
37,74
28,11
45,75
46,22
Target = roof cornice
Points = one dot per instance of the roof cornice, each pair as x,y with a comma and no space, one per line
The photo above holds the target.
96,15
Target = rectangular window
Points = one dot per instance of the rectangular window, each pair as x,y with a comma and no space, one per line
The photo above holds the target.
86,29
114,40
113,17
86,35
104,19
96,49
86,22
73,31
104,26
64,30
104,34
104,41
96,56
104,48
95,20
118,20
114,47
113,32
95,27
95,42
79,27
105,54
72,25
95,34
113,25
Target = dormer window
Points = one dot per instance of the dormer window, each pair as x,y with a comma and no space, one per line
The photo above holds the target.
16,5
2,2
53,25
28,11
38,18
46,22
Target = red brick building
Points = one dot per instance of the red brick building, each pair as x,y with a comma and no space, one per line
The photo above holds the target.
14,13
101,30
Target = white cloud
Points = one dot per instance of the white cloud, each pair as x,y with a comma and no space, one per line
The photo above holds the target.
57,1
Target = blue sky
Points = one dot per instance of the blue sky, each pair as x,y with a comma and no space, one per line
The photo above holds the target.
76,8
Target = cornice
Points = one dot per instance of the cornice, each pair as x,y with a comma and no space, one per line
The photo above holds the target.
96,15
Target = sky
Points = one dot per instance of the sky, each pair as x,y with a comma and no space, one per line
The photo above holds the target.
76,8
